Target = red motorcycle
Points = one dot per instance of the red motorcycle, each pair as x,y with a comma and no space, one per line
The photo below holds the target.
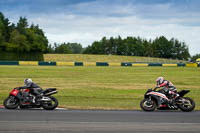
24,99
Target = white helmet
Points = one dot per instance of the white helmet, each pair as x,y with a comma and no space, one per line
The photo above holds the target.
159,80
27,82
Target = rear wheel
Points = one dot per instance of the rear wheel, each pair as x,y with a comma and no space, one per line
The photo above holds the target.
11,102
148,105
187,104
50,105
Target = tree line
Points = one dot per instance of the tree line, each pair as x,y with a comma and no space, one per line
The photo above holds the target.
65,48
22,41
135,46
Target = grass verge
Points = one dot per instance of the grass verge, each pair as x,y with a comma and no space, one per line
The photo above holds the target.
100,87
104,58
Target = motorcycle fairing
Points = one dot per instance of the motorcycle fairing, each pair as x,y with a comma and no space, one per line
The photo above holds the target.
158,96
16,93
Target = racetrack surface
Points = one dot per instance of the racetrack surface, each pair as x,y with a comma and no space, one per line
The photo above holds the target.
87,121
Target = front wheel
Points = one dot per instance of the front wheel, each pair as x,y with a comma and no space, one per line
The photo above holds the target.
148,105
187,104
11,102
50,105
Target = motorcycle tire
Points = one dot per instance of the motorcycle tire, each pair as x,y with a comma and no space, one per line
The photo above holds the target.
185,108
50,106
145,108
13,106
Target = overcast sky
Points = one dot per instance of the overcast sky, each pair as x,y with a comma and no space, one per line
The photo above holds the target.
85,21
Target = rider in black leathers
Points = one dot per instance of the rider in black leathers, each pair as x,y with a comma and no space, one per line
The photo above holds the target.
33,87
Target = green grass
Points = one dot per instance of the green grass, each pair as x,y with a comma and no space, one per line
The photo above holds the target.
100,87
104,58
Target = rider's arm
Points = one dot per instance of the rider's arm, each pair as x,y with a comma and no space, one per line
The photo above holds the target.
26,86
22,87
163,84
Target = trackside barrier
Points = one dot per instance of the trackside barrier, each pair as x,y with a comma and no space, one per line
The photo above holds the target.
89,63
78,63
64,63
9,63
140,65
126,64
43,63
191,65
101,63
114,64
28,63
169,65
49,63
155,64
181,64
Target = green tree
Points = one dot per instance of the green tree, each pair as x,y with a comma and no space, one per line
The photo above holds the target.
50,49
22,25
162,48
63,49
181,50
194,57
148,49
75,48
19,41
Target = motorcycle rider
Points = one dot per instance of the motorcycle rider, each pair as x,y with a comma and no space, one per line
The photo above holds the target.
168,88
33,87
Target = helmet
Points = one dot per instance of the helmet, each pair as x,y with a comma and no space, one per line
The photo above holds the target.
159,80
27,81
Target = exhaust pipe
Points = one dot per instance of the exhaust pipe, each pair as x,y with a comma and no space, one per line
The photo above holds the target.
50,93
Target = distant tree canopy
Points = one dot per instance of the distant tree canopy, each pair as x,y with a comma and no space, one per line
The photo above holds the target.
65,48
196,56
21,38
135,46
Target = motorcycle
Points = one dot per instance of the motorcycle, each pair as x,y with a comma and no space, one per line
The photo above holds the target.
24,99
157,99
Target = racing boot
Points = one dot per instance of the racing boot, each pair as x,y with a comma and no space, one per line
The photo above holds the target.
33,99
171,104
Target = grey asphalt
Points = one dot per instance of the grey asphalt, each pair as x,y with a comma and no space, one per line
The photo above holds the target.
79,121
